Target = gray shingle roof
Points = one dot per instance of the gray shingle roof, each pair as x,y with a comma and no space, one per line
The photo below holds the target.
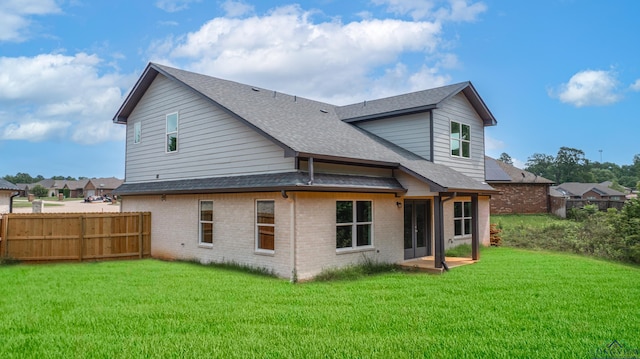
6,185
305,127
579,189
498,171
298,181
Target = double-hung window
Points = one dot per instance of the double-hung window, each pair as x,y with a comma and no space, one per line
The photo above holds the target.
462,218
265,225
206,223
172,132
460,140
354,223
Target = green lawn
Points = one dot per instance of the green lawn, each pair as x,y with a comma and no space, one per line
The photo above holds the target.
511,304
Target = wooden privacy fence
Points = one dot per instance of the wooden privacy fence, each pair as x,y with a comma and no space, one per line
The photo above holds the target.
47,237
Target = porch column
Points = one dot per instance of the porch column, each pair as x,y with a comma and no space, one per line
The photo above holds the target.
438,221
475,235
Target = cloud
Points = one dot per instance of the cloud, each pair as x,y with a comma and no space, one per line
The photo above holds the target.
16,15
174,5
57,96
286,50
635,86
589,88
236,8
458,10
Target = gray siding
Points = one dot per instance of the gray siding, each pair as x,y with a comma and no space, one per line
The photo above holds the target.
411,132
210,142
460,110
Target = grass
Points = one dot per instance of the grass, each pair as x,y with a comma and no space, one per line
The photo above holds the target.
511,304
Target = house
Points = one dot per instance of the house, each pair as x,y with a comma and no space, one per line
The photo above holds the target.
589,191
243,174
7,191
81,188
103,186
520,191
77,188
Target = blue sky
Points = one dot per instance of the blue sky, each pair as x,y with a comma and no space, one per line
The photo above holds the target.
553,72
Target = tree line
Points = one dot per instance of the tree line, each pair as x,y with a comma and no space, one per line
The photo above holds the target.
21,177
570,165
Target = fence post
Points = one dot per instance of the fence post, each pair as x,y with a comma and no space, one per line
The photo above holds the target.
5,233
140,233
81,239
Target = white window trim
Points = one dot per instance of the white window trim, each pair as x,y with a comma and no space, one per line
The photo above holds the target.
463,218
258,225
137,132
461,140
200,221
354,228
166,132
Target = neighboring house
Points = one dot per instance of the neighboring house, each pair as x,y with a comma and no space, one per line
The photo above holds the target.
588,191
103,186
81,188
520,191
236,173
53,186
7,191
76,188
24,189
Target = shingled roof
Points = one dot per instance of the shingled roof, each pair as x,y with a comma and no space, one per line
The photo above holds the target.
308,128
6,185
500,172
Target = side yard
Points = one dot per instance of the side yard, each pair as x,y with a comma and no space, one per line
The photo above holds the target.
512,304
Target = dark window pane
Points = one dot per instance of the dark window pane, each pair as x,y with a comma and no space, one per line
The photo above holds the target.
206,211
343,237
455,147
455,130
466,151
467,209
467,226
266,235
457,224
363,211
466,133
172,142
408,227
457,209
206,231
364,235
266,212
344,212
421,217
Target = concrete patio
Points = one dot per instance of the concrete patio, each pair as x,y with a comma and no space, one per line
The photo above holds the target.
427,264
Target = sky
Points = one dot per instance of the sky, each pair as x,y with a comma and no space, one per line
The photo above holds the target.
554,73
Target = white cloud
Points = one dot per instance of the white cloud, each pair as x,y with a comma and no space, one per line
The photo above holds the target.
15,17
589,88
286,50
174,5
458,10
236,8
635,86
58,96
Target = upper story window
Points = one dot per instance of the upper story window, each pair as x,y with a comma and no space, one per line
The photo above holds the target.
462,218
265,225
137,132
206,222
460,140
354,223
172,132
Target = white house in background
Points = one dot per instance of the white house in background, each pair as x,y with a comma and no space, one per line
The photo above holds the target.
238,173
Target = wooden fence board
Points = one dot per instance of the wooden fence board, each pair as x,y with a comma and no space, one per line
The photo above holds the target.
46,237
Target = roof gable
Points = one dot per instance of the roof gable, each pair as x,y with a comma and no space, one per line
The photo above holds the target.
307,128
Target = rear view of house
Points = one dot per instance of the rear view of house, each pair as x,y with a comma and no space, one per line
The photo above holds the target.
237,173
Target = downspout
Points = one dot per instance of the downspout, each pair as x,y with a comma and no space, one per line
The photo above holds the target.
11,201
292,236
310,171
441,254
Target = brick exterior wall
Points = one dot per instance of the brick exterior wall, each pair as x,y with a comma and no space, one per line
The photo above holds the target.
520,198
174,230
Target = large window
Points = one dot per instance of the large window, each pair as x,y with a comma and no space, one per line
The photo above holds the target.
206,222
265,225
172,132
137,132
460,140
462,218
353,224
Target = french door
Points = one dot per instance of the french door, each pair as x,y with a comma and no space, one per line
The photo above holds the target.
417,228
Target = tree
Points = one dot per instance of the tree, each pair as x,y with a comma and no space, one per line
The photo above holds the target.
39,191
570,166
541,165
504,157
23,178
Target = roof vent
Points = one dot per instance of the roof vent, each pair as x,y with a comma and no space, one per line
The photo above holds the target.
324,111
255,89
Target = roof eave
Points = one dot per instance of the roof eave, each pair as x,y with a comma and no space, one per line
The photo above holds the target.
401,112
